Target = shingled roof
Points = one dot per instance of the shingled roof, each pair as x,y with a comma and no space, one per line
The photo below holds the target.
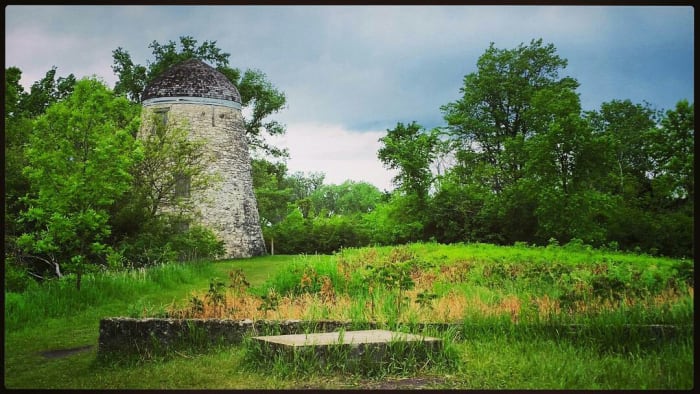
192,78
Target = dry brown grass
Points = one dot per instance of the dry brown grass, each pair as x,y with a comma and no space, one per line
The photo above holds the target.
328,303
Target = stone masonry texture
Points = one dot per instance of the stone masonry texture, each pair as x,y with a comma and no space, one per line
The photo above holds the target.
229,207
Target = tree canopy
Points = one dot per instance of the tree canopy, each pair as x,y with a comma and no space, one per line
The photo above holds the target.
518,160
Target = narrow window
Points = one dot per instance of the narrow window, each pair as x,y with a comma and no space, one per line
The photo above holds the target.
161,116
182,186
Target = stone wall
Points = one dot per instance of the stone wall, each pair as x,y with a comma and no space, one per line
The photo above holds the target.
229,208
125,336
139,336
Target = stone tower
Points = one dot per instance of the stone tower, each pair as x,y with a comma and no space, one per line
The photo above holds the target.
202,99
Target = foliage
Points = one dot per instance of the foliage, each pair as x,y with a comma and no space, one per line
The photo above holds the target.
163,240
348,198
169,156
530,165
271,191
45,92
497,355
78,159
410,150
20,108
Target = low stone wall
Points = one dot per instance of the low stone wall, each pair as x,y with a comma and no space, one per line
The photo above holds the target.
147,336
128,335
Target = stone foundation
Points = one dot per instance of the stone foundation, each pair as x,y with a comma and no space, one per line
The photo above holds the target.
128,336
145,336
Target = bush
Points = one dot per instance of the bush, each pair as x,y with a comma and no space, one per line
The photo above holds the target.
162,241
197,242
17,279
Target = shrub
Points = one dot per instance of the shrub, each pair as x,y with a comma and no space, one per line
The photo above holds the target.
16,277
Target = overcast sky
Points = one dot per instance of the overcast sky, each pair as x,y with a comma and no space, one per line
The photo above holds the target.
352,72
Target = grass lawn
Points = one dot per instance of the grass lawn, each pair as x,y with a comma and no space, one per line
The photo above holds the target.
43,320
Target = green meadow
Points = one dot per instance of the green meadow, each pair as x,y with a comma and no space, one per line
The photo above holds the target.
511,304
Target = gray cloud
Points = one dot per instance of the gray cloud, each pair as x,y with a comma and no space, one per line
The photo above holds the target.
364,68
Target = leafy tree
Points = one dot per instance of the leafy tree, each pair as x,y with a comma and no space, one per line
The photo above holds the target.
515,132
625,128
47,91
565,164
303,185
348,198
271,191
291,234
672,154
14,92
20,108
169,157
493,119
257,93
411,150
673,181
154,220
17,130
78,158
454,210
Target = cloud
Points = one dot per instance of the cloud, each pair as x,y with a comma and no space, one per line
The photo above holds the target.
339,153
351,72
31,49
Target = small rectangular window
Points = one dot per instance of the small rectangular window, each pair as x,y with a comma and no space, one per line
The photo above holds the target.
161,116
182,186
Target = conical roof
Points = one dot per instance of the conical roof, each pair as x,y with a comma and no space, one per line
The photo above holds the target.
192,78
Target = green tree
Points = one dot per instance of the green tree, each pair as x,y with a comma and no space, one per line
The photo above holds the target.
672,155
348,198
271,191
257,93
155,221
20,108
410,150
565,165
493,118
509,110
17,131
455,210
624,127
673,180
79,157
304,185
14,92
171,158
45,92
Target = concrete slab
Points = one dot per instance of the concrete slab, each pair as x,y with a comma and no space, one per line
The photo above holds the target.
345,338
357,350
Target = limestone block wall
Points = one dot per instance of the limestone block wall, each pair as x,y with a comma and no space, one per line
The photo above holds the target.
229,208
123,336
143,336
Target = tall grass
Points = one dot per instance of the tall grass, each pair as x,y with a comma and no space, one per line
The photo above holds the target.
568,285
59,298
544,318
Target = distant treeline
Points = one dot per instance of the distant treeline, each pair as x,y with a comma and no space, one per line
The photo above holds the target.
517,160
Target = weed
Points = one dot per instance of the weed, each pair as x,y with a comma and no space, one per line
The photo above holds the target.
216,296
196,305
270,301
425,299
